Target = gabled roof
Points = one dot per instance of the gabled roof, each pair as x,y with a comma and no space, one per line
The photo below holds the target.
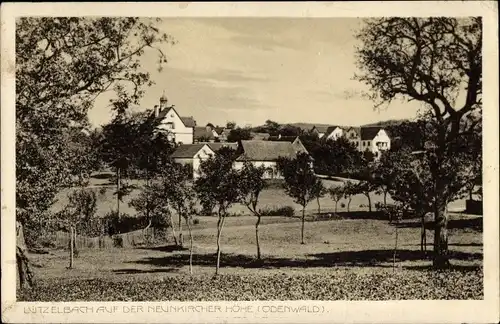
268,150
187,151
282,138
187,121
369,133
202,132
330,129
321,128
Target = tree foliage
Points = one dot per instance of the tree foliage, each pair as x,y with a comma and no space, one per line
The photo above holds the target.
301,183
437,61
62,66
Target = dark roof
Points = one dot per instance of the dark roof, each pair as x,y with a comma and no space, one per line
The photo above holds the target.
368,133
269,150
217,146
330,129
321,128
188,121
202,132
187,150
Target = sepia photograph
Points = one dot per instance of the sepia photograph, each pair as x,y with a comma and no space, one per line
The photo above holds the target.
163,158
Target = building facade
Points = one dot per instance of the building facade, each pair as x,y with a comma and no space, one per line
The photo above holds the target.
178,129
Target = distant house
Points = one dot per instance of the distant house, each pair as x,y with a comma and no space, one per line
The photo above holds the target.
178,129
334,133
194,154
374,139
267,153
205,134
320,130
222,133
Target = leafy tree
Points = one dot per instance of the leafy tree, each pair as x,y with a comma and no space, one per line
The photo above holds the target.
179,192
319,192
300,181
336,193
218,184
290,130
365,187
251,185
431,60
231,125
62,65
239,134
349,190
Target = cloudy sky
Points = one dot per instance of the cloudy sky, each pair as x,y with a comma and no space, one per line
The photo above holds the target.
253,69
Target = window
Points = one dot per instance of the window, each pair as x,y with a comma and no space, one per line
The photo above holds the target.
173,125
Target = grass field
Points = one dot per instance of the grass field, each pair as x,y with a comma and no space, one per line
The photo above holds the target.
344,258
269,198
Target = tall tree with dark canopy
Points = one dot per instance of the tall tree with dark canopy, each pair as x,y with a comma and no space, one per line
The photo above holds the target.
62,66
437,61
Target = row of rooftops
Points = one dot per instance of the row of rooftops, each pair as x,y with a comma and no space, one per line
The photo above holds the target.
206,132
251,150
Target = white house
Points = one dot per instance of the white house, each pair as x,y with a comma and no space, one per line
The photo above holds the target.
334,133
374,139
179,129
266,153
194,154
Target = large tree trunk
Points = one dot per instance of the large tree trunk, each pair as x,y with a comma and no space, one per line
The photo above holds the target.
174,234
71,246
441,260
190,246
118,192
302,229
319,206
369,202
257,236
336,203
349,203
385,198
23,265
181,241
423,233
220,225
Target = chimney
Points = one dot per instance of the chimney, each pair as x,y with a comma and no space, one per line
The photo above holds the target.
157,110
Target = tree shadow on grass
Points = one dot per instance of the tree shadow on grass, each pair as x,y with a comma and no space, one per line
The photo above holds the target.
136,271
165,248
475,223
365,258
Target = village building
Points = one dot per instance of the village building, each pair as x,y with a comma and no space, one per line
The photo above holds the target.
334,133
267,153
179,130
372,139
194,154
258,152
320,130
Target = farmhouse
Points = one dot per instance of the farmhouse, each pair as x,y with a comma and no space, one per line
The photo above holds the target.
205,134
179,129
266,153
373,139
194,154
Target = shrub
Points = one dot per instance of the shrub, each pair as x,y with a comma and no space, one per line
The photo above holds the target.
287,211
196,221
342,205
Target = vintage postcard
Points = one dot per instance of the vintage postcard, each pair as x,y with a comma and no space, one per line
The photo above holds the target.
326,162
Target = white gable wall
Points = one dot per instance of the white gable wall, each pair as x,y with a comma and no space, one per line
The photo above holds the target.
336,134
172,123
381,142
